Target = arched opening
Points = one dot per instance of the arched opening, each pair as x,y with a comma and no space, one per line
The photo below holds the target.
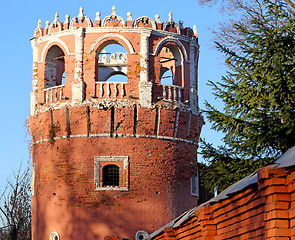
166,76
171,65
117,77
171,72
54,67
111,62
111,176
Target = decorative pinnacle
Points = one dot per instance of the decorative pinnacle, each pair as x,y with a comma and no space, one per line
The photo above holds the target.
97,16
81,14
47,24
67,18
180,24
56,18
39,23
195,29
157,18
170,17
113,10
129,18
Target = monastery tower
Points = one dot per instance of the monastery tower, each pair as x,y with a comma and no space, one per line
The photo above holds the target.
114,143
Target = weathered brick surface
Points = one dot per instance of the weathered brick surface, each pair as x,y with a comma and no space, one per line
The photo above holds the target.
262,211
75,119
159,176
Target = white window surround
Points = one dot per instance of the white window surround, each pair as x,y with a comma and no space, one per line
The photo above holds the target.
123,186
195,185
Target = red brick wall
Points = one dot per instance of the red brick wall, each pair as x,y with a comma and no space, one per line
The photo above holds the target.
262,211
162,156
65,198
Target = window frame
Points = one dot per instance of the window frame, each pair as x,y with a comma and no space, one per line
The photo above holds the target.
112,175
122,162
195,188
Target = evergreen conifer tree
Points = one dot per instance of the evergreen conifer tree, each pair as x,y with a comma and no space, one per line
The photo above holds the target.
258,93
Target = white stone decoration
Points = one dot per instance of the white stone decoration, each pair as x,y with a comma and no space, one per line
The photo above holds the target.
195,29
47,24
67,17
113,35
77,84
54,236
193,91
81,14
157,18
34,92
144,50
98,177
172,90
51,41
39,23
171,22
56,18
80,17
183,52
118,58
170,17
145,94
113,16
145,87
145,19
129,18
38,29
97,18
55,23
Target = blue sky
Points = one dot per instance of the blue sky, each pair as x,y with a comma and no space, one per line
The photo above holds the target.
19,19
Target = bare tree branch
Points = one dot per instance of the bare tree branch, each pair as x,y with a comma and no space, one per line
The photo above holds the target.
15,207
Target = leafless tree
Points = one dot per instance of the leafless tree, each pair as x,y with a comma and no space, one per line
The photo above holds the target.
15,207
240,11
290,3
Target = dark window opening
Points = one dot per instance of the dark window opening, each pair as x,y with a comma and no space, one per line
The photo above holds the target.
54,67
111,176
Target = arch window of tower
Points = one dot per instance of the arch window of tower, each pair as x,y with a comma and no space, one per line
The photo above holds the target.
54,67
171,65
111,173
111,62
171,72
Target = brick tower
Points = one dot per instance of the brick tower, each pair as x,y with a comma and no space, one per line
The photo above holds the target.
114,143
